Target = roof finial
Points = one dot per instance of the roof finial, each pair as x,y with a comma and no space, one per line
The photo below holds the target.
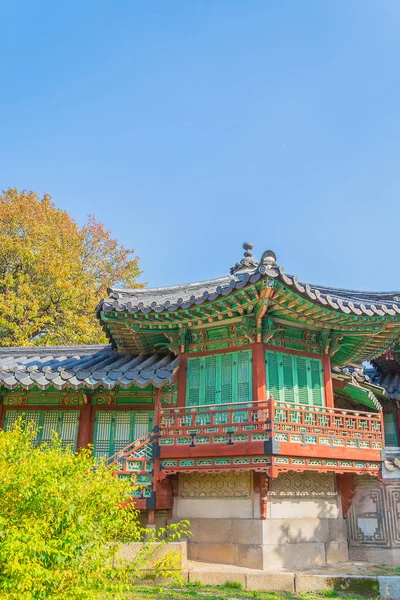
248,262
248,247
268,259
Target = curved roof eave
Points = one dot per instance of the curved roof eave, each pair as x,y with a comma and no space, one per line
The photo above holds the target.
184,296
84,368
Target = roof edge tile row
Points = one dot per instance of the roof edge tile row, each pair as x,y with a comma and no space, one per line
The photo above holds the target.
184,296
76,368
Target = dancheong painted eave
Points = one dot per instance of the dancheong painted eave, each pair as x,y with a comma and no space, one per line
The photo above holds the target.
260,297
83,367
184,296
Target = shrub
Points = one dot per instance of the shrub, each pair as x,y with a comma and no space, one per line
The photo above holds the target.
63,517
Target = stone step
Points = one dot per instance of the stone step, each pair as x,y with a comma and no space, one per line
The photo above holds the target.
384,587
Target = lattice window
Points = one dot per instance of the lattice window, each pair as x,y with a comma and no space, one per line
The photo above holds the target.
219,379
227,377
295,379
62,422
193,382
114,430
391,437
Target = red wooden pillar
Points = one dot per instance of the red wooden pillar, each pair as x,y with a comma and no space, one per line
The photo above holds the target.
326,365
157,409
84,431
345,484
182,376
92,422
261,486
156,460
259,376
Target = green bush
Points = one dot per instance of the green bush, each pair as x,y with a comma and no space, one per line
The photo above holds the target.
63,517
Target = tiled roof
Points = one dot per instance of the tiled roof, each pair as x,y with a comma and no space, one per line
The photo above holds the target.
83,367
358,378
356,373
186,295
389,380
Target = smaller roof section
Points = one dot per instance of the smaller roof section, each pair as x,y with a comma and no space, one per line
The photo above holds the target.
80,367
359,386
388,380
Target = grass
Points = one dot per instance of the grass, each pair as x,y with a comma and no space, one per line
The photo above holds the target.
229,591
386,570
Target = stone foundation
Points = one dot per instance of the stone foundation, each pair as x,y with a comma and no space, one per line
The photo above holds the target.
128,552
304,524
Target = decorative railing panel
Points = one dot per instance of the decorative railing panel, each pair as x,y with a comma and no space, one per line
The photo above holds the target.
332,427
264,436
214,424
136,460
295,437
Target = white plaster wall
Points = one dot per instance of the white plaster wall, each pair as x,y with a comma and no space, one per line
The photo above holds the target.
217,508
302,508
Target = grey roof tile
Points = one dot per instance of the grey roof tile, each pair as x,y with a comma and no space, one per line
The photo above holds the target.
80,367
389,380
58,382
184,296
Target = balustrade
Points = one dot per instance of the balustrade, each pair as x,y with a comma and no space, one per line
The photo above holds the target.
136,460
330,429
214,424
334,427
254,436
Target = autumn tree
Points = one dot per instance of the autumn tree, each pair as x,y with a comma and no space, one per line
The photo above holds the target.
53,272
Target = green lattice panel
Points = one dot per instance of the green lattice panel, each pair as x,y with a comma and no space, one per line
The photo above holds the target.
186,463
241,461
166,441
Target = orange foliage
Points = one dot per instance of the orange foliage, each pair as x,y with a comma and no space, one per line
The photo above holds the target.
53,273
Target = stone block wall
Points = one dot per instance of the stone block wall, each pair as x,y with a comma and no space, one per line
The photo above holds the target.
304,524
222,509
374,521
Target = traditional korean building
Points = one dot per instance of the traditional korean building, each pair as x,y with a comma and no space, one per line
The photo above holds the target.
240,404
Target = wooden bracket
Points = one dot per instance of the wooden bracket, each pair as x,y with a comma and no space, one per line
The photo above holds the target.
261,485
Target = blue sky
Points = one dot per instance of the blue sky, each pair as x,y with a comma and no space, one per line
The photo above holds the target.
189,127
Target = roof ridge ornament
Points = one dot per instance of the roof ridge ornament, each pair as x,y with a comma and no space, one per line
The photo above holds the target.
248,262
268,259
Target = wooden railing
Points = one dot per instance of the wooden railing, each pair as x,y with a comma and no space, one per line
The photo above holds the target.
214,424
332,427
136,460
267,436
292,425
135,456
